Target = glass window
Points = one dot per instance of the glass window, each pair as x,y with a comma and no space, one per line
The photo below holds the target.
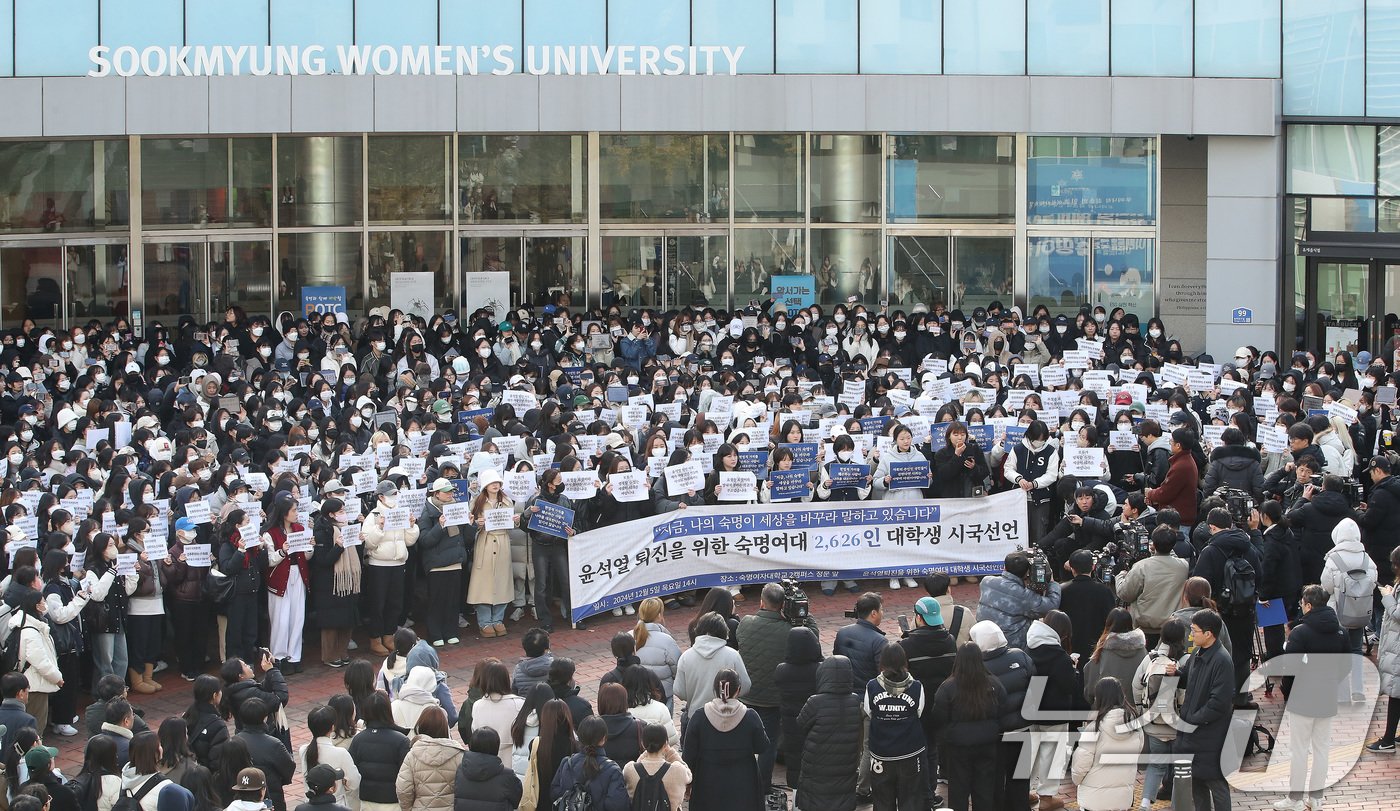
483,22
963,177
1067,37
901,36
97,278
1092,179
1058,268
760,254
206,182
53,39
1323,49
1388,218
1151,38
919,271
493,254
393,252
7,38
321,259
1239,39
632,271
555,265
984,37
983,271
733,23
768,171
320,179
697,272
846,262
50,186
817,36
659,23
1344,214
175,281
565,22
31,283
664,177
140,23
1123,275
240,275
313,22
845,178
396,22
1383,57
1331,159
219,22
1388,141
408,179
522,178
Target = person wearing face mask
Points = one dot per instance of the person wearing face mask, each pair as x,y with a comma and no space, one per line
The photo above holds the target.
637,347
1033,466
189,610
107,621
959,467
335,578
551,554
386,559
442,550
65,600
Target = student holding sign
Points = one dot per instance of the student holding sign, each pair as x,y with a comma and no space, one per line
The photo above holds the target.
550,554
242,559
959,468
442,550
726,461
610,511
145,611
189,611
287,578
335,583
787,485
386,561
490,588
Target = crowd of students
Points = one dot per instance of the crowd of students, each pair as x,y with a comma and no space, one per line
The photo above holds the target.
202,493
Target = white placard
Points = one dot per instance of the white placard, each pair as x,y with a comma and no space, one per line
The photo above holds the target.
126,564
580,485
78,561
156,549
395,520
457,513
198,512
484,289
197,555
300,542
350,535
364,482
257,482
1084,462
1346,413
1052,376
412,292
1122,440
413,468
520,486
681,479
521,401
1272,438
630,486
498,519
248,534
737,486
413,501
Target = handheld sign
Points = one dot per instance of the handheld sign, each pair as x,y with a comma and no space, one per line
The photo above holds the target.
198,512
631,486
909,475
156,549
847,475
197,555
580,485
755,462
456,514
499,519
350,535
737,486
520,486
300,542
804,454
785,485
1122,440
126,564
395,520
552,520
1084,462
681,479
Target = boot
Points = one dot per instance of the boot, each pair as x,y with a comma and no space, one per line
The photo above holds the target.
1049,802
138,684
147,677
377,647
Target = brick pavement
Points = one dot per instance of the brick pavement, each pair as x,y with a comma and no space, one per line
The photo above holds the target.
1368,785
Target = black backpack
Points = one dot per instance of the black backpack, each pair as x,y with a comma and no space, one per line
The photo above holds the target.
1239,585
650,794
127,801
9,652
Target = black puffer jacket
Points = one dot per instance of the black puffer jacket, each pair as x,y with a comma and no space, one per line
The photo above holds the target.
955,728
439,546
1014,669
1378,523
797,682
831,726
484,784
1235,466
1314,519
930,650
378,752
272,690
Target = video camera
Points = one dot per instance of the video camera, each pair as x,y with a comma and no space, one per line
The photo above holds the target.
1239,503
1134,542
1352,488
1039,578
1107,563
796,606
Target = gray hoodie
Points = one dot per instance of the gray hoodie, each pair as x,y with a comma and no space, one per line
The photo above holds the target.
696,671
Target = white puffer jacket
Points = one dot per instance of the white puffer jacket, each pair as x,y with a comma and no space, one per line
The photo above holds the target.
386,548
36,652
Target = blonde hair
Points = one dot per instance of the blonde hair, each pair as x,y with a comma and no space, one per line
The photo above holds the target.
650,610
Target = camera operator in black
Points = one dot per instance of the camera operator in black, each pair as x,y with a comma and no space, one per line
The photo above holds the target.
1033,465
1378,515
1234,464
1087,526
1229,541
1317,513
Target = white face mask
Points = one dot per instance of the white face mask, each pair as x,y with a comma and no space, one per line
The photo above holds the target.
26,435
483,352
1037,444
313,433
1288,386
205,474
696,450
1099,317
355,421
1061,330
658,452
1154,332
900,335
391,501
844,456
264,351
15,459
243,497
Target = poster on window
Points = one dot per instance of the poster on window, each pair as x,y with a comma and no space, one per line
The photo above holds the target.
1123,275
412,292
486,289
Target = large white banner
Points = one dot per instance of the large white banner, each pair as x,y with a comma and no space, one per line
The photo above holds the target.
701,547
486,289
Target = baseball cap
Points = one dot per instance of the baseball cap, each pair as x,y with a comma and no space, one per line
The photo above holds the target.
443,486
386,488
250,779
930,610
322,776
185,525
40,758
333,486
1380,462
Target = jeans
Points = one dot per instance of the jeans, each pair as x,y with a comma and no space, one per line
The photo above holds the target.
551,580
444,601
1156,772
1210,795
1308,735
109,655
772,719
898,785
490,614
969,777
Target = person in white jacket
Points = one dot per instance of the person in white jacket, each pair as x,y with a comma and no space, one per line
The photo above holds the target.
322,749
38,660
1348,561
1104,765
903,451
386,559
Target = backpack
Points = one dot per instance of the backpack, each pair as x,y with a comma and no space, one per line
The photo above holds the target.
1354,603
577,797
1239,584
127,801
1151,684
9,652
650,794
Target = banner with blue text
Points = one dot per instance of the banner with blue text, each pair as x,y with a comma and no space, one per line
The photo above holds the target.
702,547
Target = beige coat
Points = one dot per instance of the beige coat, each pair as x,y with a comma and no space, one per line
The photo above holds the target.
427,774
676,779
491,581
1107,786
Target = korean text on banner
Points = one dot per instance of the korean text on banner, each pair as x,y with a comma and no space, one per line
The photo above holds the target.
703,547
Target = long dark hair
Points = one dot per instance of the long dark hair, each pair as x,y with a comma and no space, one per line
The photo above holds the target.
359,683
540,695
100,758
975,693
592,734
233,758
320,721
174,742
1118,621
344,708
1174,635
718,600
556,740
1109,696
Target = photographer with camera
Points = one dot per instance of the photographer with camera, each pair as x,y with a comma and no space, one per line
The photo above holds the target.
1378,515
762,645
1230,563
1009,601
1152,587
1317,513
1089,525
1234,464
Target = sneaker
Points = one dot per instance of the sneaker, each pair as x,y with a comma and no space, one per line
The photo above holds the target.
628,610
911,582
894,583
352,646
1358,698
160,666
338,663
617,612
187,677
1289,805
517,613
463,622
580,626
437,643
454,641
65,730
1381,747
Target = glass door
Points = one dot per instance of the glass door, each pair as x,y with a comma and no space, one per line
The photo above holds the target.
543,267
919,270
1342,305
31,284
204,278
666,270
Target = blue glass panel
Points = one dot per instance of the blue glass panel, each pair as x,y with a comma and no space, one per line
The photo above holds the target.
649,22
1323,51
139,23
219,22
1091,180
483,22
53,39
1151,38
901,36
817,36
1238,38
396,22
736,23
7,38
1067,37
313,22
1383,57
984,37
565,22
1058,271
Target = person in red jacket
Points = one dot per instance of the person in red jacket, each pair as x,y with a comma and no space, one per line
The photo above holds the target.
1178,489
